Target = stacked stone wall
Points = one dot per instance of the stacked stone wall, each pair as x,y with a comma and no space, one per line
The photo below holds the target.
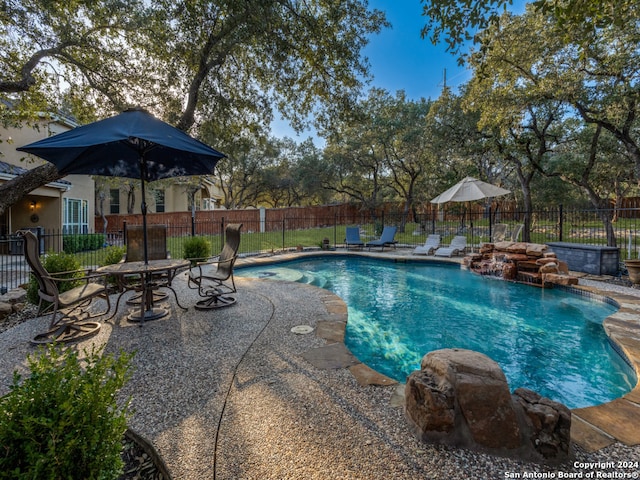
531,263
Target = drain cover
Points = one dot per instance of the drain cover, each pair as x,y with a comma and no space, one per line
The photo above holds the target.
302,329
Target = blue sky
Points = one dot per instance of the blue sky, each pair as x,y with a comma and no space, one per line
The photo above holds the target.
401,60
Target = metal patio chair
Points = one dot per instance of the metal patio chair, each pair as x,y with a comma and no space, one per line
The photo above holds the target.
70,314
213,278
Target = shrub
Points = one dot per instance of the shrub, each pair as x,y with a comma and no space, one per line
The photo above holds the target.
113,255
62,421
79,243
56,263
196,248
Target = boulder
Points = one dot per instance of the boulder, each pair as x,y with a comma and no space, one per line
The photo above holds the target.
518,247
547,424
516,257
486,248
536,249
559,279
6,309
502,246
460,397
545,260
15,295
548,268
563,267
509,271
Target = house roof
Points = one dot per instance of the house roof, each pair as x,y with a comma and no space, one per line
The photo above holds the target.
8,172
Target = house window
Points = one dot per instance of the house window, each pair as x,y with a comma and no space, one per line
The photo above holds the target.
114,200
75,216
159,201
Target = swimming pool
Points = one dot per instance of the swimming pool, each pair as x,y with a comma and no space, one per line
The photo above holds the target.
547,340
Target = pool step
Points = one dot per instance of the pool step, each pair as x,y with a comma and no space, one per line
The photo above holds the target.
311,279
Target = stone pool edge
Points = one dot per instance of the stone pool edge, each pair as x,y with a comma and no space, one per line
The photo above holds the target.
592,428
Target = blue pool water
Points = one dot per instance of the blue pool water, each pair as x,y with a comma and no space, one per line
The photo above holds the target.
547,340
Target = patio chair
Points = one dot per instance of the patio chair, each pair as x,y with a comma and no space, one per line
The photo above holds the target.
457,246
72,305
517,229
430,246
156,250
353,238
213,278
156,243
499,232
387,238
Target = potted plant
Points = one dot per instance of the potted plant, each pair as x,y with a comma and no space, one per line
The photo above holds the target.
633,268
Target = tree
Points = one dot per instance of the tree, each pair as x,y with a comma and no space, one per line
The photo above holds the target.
189,62
596,163
458,22
399,127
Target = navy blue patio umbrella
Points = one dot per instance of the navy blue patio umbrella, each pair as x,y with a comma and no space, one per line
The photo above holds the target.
133,144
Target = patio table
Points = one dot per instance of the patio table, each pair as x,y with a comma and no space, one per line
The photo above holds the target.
148,310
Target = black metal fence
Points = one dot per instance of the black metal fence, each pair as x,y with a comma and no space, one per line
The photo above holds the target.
302,233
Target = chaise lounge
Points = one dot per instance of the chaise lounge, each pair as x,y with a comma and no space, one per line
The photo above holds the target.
387,238
430,246
457,246
352,239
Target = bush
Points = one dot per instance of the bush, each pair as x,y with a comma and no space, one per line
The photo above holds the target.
56,263
113,255
196,248
80,243
63,420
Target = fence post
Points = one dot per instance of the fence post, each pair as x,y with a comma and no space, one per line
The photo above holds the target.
193,226
335,230
283,230
124,232
490,224
560,222
222,239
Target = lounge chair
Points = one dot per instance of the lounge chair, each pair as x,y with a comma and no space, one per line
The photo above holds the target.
387,238
516,232
499,232
430,246
213,278
353,238
457,246
72,305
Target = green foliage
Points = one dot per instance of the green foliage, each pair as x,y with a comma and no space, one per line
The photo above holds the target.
113,254
81,243
63,421
56,263
458,21
196,248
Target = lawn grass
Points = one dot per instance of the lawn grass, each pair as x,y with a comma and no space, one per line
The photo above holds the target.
274,241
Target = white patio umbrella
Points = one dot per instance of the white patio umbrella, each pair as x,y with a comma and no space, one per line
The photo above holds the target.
469,189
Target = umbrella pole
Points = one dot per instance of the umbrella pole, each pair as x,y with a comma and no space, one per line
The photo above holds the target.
143,208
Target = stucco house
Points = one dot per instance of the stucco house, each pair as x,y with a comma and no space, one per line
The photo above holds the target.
64,206
163,196
70,204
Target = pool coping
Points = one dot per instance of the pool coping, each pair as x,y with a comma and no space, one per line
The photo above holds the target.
592,428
